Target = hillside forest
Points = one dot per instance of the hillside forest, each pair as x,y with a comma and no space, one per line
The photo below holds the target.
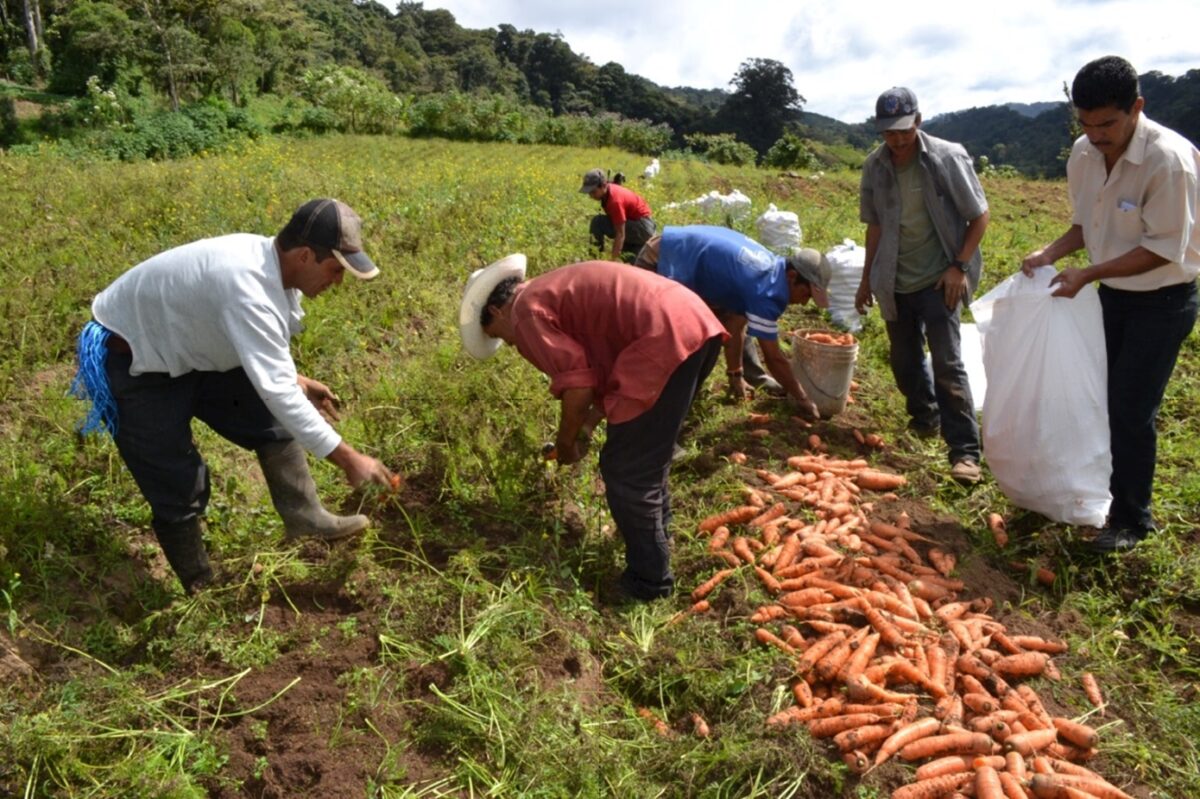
161,78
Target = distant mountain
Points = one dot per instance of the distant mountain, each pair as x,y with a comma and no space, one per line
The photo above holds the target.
1032,109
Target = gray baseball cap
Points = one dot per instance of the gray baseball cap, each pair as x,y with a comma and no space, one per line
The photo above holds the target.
813,267
592,180
896,109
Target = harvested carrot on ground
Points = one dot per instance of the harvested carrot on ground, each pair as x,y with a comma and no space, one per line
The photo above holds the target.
705,588
1092,689
773,512
719,538
1096,787
738,458
741,548
736,516
934,788
1026,664
955,743
987,783
879,481
1079,734
699,725
660,726
998,529
922,728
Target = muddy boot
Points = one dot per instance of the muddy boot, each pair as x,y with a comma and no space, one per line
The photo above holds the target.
294,494
756,374
183,544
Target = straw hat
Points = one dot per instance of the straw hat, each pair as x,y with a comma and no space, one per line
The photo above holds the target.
478,344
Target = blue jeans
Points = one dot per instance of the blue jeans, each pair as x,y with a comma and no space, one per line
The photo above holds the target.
636,463
943,397
1143,331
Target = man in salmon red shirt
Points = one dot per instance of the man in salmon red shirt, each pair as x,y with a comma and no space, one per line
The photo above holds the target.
625,345
626,218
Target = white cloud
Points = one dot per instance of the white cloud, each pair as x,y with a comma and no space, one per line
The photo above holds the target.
953,55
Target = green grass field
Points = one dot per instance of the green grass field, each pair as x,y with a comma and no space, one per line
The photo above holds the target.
461,648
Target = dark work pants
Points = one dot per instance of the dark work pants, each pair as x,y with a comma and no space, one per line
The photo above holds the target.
1143,332
154,430
943,397
637,232
635,464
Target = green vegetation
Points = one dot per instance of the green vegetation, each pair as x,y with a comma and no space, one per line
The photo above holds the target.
462,647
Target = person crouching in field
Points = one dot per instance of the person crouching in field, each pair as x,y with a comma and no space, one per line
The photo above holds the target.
626,218
1135,196
202,331
621,344
748,287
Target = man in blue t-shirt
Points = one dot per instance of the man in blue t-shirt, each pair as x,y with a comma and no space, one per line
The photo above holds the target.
749,287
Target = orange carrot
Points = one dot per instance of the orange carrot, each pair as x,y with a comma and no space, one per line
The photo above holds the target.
943,561
759,418
981,703
908,734
660,726
727,556
1039,644
879,481
1092,689
395,481
1026,664
931,789
955,743
708,585
1096,787
821,647
719,537
738,458
1011,786
1049,790
999,529
774,512
1079,734
863,738
699,726
736,516
831,726
765,636
802,691
987,783
858,436
856,761
741,548
950,764
1027,743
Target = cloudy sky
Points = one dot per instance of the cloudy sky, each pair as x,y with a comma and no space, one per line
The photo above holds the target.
954,55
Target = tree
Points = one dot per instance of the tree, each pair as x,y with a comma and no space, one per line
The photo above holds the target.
762,104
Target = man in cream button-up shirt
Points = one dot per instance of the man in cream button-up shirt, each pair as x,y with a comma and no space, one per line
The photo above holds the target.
1133,186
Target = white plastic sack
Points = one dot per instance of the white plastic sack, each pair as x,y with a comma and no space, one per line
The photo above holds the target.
1045,416
846,265
651,169
735,204
779,231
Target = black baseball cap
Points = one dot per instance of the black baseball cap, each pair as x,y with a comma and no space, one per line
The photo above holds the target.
330,223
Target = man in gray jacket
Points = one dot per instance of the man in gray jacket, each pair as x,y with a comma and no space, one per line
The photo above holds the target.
925,214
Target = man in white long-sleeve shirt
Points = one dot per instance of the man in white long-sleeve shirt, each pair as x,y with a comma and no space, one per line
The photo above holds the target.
202,331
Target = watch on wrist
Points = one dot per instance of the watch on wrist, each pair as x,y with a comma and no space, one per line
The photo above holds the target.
959,265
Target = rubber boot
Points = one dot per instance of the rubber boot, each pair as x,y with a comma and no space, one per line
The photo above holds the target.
183,544
755,374
294,494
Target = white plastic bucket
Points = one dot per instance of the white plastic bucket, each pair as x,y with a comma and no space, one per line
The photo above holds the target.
824,371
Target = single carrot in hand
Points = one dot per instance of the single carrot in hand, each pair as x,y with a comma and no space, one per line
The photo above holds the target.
395,482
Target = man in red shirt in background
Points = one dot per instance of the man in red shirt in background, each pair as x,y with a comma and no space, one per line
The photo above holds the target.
624,345
626,218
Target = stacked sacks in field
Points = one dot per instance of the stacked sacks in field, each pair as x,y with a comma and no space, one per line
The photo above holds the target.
779,231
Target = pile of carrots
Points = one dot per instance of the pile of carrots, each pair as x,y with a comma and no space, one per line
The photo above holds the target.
827,337
888,660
